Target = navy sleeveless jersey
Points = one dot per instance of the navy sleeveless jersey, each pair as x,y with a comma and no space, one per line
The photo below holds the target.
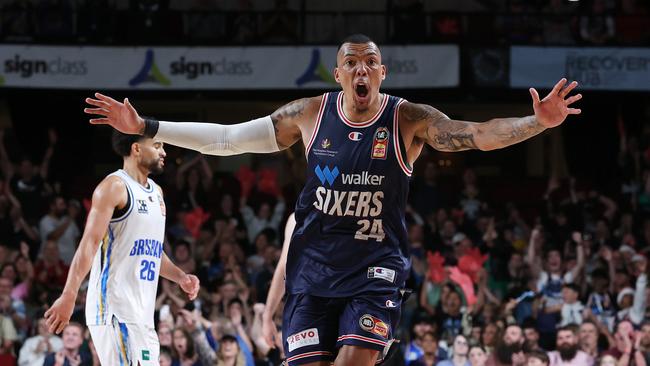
350,234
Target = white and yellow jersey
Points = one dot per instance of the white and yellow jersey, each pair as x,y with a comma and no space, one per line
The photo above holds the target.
124,274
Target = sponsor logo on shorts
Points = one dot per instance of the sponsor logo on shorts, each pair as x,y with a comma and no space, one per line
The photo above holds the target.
146,355
304,338
373,325
381,273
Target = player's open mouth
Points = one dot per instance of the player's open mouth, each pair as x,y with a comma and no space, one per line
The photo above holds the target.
361,90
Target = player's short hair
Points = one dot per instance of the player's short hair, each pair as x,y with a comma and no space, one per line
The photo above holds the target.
356,38
122,142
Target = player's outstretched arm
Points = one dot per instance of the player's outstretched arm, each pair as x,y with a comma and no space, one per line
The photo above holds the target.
263,135
189,283
108,195
445,134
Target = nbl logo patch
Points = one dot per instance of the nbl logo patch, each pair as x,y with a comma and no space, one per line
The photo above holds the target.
380,143
373,325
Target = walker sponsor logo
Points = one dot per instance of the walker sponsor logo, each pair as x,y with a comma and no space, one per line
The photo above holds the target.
27,67
593,68
316,71
307,337
326,175
149,72
364,179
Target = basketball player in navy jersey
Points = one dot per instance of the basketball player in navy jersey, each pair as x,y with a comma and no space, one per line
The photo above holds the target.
348,258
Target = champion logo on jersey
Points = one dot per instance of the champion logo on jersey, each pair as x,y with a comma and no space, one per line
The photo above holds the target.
355,136
142,206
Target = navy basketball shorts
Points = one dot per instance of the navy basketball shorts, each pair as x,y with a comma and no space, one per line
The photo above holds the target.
314,328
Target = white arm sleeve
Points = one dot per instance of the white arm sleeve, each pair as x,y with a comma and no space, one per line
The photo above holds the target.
256,136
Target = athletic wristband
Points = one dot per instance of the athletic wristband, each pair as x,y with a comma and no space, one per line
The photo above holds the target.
150,127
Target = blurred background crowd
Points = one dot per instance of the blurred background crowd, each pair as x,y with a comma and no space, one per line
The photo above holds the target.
510,263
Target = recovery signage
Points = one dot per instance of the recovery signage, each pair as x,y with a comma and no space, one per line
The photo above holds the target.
308,67
594,68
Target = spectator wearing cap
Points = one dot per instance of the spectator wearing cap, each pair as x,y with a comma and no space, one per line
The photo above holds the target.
632,302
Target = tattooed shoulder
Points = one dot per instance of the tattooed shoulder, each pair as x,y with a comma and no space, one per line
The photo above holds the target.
294,109
412,112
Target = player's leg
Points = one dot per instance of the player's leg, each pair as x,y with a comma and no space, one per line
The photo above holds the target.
355,355
107,344
366,328
310,328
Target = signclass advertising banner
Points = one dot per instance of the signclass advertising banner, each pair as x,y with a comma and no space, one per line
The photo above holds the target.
213,68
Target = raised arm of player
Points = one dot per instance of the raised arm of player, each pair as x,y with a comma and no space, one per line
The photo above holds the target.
276,291
442,133
110,194
281,129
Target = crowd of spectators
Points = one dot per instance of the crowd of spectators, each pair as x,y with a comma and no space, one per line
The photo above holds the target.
562,284
551,22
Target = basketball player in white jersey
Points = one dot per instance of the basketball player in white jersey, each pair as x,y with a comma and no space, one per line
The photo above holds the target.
127,224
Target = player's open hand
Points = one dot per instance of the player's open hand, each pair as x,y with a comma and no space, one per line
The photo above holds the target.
191,285
555,107
121,116
58,316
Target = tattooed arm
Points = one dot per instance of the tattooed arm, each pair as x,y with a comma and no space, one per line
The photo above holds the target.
290,118
445,134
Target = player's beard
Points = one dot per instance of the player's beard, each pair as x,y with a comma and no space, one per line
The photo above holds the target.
154,167
568,352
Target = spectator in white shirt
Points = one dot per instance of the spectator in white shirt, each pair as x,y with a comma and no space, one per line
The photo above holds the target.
35,348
